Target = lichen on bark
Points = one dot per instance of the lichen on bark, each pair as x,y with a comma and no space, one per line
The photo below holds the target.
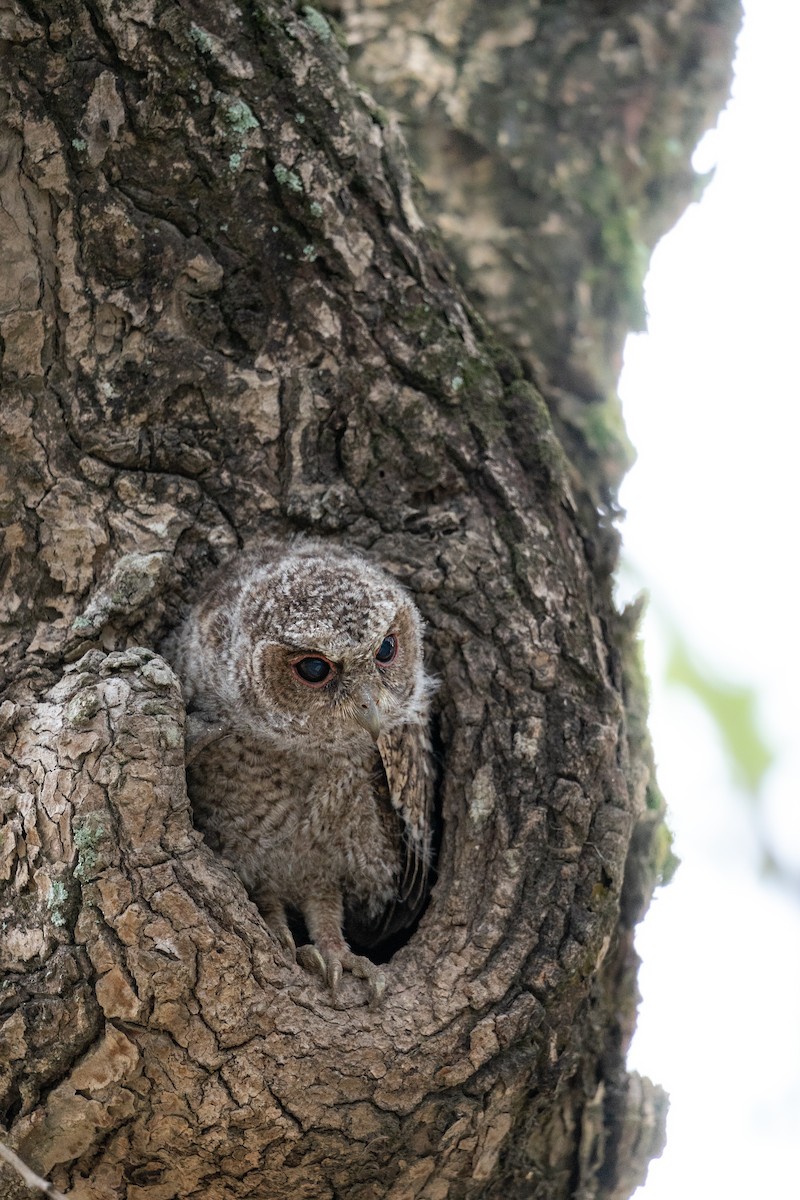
554,143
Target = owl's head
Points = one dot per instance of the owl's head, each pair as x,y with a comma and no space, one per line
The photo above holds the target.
312,647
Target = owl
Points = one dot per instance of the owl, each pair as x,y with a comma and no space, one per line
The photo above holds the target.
309,760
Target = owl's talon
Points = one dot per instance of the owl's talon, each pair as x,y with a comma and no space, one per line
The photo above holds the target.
287,941
374,977
377,986
329,962
283,936
312,961
334,975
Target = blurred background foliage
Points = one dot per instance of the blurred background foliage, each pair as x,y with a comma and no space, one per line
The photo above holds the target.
733,708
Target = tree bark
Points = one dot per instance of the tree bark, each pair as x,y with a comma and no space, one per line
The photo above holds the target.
223,317
554,143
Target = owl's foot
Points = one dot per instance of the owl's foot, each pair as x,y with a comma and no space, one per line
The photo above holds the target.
274,916
283,935
327,955
330,961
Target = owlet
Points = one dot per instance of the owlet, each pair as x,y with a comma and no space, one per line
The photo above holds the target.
310,763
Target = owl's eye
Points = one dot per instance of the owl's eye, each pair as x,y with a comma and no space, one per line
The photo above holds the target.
313,670
387,650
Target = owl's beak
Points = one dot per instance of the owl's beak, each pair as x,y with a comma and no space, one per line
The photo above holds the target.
366,713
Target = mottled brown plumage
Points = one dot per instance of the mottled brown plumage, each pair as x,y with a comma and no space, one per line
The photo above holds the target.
309,759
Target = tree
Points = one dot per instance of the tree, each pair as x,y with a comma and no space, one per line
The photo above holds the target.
224,317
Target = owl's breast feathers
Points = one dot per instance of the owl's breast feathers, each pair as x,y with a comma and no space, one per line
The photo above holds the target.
362,822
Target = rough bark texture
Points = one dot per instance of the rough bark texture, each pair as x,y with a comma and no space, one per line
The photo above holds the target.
554,143
222,317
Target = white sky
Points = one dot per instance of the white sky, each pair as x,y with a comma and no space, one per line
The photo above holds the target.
712,403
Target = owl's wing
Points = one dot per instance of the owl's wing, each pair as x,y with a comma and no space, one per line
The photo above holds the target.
405,795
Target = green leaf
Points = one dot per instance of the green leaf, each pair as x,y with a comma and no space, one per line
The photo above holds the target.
732,707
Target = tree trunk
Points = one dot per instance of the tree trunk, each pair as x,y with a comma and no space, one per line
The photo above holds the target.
222,317
554,143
